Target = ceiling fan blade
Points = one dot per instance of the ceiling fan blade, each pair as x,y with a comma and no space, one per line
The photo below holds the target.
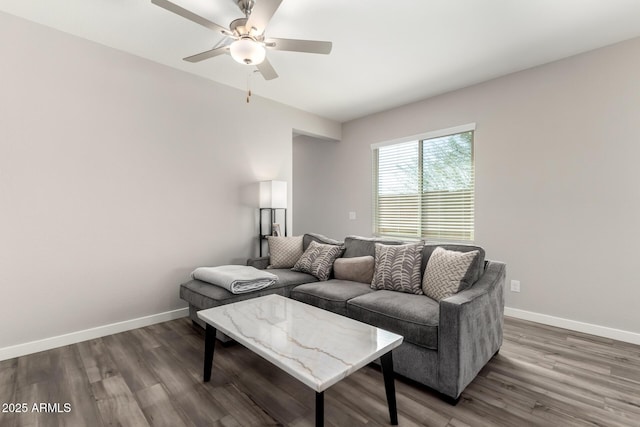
207,54
308,46
171,7
261,14
266,69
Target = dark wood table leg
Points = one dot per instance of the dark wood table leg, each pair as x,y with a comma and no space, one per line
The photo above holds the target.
320,409
209,345
389,386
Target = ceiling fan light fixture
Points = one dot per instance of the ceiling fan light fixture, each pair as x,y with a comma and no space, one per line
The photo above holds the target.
247,51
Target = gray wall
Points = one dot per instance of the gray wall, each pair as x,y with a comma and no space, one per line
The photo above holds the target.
119,176
313,205
557,193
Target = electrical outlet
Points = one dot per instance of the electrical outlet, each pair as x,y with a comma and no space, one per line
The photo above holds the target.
352,215
515,286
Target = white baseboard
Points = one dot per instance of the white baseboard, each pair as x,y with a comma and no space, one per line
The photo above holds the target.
573,325
89,334
114,328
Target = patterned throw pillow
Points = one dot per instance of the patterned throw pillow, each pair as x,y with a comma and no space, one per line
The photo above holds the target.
318,260
445,271
397,268
284,251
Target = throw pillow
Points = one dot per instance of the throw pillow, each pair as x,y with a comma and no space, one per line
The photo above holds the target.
397,268
445,272
284,252
357,269
318,260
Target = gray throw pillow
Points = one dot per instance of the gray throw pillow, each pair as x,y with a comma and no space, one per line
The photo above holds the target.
445,272
318,260
397,268
357,269
284,252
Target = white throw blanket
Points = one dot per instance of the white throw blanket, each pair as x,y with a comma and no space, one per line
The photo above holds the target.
237,279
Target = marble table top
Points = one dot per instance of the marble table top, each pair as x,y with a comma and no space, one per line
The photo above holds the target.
315,346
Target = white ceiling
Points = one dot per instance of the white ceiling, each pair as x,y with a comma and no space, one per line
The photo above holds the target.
385,52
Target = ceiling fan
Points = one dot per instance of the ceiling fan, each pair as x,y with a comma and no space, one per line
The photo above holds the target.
245,40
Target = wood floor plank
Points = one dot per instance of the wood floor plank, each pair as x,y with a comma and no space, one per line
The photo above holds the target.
74,381
97,360
414,411
240,407
338,413
117,404
31,394
501,395
610,387
34,368
8,383
171,372
146,338
254,377
631,412
198,405
159,409
127,355
457,423
175,348
547,381
227,421
570,404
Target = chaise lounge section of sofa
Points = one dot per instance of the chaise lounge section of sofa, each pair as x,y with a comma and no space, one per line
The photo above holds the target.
201,295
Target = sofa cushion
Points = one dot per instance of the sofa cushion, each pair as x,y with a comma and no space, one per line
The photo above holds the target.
355,246
446,272
205,295
331,295
415,317
477,267
357,269
397,268
318,260
287,277
314,237
284,251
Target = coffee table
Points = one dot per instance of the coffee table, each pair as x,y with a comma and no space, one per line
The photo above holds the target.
315,346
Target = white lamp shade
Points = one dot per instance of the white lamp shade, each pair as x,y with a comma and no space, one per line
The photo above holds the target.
246,51
273,194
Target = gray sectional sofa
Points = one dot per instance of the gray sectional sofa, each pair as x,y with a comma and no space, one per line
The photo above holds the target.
445,343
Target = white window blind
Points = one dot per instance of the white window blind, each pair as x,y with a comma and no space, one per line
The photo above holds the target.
425,188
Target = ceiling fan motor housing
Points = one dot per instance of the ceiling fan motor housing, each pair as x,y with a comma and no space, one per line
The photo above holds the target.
238,27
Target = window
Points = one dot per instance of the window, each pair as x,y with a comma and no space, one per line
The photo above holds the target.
424,187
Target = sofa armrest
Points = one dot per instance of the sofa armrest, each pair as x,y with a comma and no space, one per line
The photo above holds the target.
470,329
259,263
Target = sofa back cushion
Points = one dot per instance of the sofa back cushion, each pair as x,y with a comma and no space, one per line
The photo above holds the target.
319,238
356,246
475,270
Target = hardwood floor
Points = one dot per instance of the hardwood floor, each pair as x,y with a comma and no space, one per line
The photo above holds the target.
543,376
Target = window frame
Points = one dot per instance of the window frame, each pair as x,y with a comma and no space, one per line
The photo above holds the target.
419,138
